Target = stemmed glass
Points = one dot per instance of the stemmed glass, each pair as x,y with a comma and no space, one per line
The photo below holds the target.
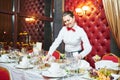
14,55
74,64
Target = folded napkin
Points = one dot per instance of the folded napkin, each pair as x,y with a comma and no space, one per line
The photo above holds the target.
39,45
4,58
106,64
84,64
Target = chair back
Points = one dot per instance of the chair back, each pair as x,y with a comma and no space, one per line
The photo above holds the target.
56,54
4,74
111,57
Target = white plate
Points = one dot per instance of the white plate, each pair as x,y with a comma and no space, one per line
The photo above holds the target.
23,67
62,73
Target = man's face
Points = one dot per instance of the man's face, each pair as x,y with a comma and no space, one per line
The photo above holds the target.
69,21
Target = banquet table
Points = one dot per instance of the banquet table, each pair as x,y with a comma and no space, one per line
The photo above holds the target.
35,74
20,74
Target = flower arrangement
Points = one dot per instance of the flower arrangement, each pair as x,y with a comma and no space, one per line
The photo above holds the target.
96,58
101,74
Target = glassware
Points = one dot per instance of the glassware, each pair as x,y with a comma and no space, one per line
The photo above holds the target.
72,65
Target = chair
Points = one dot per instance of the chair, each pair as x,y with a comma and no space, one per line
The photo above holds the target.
56,54
4,74
111,57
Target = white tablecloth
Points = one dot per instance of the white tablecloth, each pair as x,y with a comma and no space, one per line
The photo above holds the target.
19,74
35,74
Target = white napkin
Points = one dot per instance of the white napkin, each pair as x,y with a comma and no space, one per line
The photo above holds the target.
35,50
84,64
4,57
116,76
106,64
55,68
25,62
39,45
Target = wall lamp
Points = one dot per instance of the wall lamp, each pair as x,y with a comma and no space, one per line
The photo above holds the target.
30,19
82,11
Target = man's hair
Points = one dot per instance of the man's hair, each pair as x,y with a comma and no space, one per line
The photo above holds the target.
68,13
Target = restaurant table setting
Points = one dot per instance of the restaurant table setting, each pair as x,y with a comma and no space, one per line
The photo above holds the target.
24,63
5,59
107,64
33,67
54,71
110,67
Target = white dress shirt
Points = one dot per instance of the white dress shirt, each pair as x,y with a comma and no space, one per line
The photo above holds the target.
72,40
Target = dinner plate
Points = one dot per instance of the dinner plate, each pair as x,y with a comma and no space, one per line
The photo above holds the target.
47,73
24,67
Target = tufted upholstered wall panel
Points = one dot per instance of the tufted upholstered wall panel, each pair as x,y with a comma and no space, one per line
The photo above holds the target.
94,23
34,29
